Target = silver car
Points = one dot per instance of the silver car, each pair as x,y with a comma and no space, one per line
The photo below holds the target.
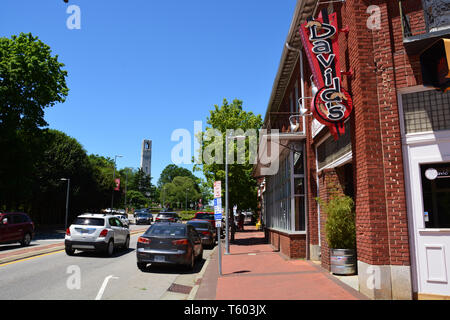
96,232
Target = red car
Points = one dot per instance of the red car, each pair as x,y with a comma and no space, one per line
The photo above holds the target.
208,216
16,227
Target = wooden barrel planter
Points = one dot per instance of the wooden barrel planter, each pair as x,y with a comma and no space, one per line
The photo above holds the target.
343,261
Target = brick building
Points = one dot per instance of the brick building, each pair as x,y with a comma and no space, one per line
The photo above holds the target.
393,158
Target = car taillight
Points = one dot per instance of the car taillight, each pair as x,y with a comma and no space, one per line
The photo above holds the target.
144,240
206,232
180,242
103,233
68,232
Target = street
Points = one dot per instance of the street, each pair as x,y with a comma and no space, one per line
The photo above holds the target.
90,276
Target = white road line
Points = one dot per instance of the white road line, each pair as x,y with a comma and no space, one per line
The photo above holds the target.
103,287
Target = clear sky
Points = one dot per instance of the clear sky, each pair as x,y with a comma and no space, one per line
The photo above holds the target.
139,69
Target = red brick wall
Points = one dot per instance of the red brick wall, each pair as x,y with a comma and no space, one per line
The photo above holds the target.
293,246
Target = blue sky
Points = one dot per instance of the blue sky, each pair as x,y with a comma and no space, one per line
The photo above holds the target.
139,69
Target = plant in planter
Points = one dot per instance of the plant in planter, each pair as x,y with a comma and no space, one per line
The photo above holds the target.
340,233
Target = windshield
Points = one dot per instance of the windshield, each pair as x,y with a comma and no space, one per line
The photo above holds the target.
90,221
158,230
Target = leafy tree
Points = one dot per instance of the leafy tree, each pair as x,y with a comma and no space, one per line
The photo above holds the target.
136,199
171,171
31,79
242,186
180,190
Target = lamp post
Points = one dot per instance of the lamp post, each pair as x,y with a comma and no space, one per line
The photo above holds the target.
67,200
187,190
114,178
227,243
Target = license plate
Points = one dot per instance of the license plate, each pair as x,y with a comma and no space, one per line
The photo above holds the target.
160,258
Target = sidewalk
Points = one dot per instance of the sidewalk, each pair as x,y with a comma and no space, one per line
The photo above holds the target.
35,249
254,270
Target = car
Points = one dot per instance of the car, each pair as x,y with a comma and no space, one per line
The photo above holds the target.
205,230
144,218
139,211
208,216
167,217
16,227
123,218
96,232
167,243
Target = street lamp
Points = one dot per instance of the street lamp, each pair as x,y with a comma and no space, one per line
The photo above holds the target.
227,243
67,200
114,178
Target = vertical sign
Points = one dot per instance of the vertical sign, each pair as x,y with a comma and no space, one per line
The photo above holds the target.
332,104
218,218
117,181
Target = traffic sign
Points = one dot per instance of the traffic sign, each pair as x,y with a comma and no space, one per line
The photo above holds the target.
217,189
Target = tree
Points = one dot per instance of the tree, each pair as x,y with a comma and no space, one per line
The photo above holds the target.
180,191
171,171
31,79
242,186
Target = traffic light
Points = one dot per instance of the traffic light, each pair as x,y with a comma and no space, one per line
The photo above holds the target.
435,63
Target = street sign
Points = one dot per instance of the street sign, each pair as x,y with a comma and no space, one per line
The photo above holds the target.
217,189
218,209
218,223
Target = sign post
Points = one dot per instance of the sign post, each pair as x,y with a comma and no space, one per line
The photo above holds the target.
218,219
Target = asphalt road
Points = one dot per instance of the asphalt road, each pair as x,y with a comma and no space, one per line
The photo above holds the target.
89,276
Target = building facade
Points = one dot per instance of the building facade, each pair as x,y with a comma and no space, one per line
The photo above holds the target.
392,156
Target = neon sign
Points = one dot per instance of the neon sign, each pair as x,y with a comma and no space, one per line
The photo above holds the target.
332,104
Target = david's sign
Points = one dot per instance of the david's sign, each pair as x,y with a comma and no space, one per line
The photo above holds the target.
332,105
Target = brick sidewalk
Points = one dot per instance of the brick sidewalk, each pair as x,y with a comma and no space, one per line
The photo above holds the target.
254,270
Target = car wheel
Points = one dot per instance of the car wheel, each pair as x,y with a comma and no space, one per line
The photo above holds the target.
142,266
110,248
200,256
191,265
70,251
126,246
26,240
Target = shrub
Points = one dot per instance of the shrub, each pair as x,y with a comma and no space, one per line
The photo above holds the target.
340,226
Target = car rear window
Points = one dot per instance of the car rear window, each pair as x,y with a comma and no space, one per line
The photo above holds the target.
158,230
208,216
167,215
199,225
90,221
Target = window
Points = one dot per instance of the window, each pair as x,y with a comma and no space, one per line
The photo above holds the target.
90,221
285,193
331,150
437,14
436,194
426,111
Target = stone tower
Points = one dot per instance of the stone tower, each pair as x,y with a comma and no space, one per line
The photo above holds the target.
146,157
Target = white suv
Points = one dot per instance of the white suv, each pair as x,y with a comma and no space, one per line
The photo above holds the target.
96,232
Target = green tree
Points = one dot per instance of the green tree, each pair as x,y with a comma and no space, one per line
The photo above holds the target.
171,171
180,191
31,79
242,186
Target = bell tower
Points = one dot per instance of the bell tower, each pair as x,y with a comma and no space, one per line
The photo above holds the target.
146,157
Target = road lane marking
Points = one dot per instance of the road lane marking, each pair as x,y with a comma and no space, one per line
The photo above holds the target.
103,287
33,257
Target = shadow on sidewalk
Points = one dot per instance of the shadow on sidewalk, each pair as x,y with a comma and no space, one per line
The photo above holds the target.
249,241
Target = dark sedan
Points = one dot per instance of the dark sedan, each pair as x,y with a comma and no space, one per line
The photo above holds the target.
169,243
144,218
167,217
206,231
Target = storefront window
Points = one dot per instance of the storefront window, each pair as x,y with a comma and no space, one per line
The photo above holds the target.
285,193
436,195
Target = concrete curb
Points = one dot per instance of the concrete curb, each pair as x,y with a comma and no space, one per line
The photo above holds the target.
45,250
